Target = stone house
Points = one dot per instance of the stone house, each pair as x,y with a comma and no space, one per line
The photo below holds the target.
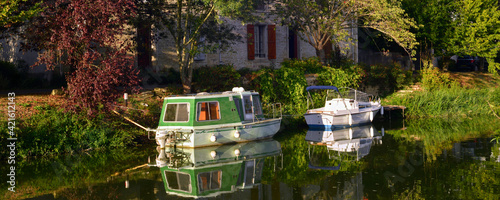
262,44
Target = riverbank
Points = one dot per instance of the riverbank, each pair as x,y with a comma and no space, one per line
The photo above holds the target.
44,129
465,95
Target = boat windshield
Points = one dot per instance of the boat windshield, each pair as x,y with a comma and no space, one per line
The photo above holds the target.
176,112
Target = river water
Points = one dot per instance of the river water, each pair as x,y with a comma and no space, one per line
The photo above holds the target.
433,159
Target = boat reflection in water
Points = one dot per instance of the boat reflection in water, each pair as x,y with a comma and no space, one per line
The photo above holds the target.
211,171
354,141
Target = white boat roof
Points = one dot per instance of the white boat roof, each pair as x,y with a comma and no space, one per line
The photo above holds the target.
201,95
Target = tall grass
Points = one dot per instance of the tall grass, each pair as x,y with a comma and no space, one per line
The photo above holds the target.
52,131
449,102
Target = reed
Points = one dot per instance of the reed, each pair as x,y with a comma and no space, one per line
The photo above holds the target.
449,102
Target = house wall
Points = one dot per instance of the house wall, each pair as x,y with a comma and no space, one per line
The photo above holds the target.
165,56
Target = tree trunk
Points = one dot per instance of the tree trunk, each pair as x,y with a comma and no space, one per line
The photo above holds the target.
321,55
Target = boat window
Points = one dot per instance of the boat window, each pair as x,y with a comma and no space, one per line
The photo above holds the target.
177,112
248,104
178,181
208,111
209,180
256,105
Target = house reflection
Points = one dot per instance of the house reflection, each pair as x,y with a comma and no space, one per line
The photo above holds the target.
211,171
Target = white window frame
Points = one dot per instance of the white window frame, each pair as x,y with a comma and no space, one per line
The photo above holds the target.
176,112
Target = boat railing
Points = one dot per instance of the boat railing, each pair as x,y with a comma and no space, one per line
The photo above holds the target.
273,107
350,93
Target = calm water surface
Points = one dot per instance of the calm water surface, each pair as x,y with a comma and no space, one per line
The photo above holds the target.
422,159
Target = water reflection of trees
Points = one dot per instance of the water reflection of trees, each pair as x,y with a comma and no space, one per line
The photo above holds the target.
296,171
439,134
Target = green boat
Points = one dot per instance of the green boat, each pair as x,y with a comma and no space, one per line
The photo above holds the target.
211,171
207,119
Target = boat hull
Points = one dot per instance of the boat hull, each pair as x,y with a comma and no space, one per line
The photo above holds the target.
329,121
210,136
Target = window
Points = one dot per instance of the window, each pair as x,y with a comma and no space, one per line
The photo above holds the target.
248,104
261,4
176,112
259,41
200,56
178,181
255,101
208,111
209,180
256,105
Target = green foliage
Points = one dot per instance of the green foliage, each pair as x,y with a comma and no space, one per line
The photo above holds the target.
329,21
287,84
310,65
474,30
53,131
215,79
339,78
433,78
14,12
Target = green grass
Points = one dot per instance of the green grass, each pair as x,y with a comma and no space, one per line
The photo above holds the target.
52,131
449,102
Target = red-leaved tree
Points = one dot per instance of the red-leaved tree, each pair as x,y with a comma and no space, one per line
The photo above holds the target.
88,39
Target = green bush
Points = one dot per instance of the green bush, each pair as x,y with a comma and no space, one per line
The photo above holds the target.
215,79
53,131
287,84
433,78
339,78
310,65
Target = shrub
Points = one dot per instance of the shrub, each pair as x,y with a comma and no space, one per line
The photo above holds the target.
287,84
433,78
215,79
310,65
53,131
339,78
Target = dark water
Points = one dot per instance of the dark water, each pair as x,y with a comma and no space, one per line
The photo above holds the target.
417,160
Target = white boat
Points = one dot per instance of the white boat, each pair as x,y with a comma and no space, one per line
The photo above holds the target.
342,109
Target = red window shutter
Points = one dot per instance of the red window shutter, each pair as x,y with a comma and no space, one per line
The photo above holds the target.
250,42
271,41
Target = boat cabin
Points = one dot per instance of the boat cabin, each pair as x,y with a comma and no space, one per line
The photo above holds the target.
204,109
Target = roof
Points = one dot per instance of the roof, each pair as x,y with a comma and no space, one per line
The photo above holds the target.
322,87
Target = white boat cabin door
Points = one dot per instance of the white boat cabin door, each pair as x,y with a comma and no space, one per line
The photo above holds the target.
251,106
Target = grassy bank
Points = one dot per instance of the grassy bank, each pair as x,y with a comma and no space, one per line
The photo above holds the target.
449,102
468,94
44,128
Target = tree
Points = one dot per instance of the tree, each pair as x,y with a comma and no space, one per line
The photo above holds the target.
14,12
434,18
324,21
86,37
475,30
189,20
